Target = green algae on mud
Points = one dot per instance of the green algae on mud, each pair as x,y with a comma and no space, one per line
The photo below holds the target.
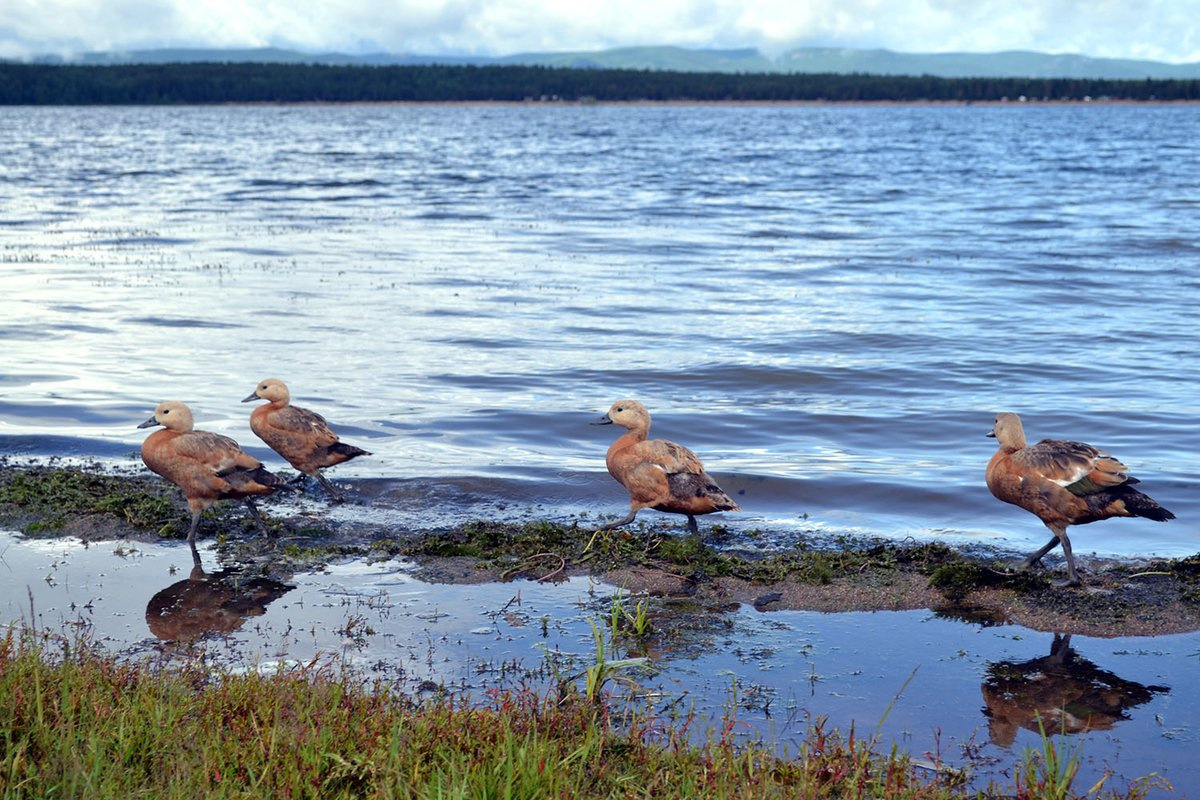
824,574
47,501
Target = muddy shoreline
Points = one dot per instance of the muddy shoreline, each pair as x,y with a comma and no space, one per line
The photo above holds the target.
1118,598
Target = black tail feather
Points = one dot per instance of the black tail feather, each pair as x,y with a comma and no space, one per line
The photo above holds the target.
1141,505
347,450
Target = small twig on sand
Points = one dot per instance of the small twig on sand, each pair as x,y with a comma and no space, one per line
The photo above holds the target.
562,565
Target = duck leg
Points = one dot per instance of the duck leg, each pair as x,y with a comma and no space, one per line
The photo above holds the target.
692,526
620,522
257,516
1072,575
1060,537
333,493
610,526
195,554
1037,556
195,526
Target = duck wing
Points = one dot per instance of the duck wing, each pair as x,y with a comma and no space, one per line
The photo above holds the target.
1079,468
300,424
670,457
691,490
212,451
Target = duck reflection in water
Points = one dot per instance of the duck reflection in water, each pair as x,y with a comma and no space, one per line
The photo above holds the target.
1062,691
204,604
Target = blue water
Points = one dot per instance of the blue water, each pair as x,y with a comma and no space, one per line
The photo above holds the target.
827,303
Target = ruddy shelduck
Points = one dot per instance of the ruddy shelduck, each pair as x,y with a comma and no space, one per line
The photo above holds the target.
1063,483
301,436
658,474
207,466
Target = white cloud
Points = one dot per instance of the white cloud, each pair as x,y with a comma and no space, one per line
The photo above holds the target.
1159,29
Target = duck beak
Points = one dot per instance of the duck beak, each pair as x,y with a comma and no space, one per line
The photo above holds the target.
990,434
150,423
253,396
605,420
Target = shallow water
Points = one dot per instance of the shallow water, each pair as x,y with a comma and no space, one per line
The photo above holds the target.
937,686
828,304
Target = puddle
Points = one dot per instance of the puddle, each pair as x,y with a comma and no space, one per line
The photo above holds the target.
963,690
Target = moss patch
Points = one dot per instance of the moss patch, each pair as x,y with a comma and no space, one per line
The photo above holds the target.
956,579
48,501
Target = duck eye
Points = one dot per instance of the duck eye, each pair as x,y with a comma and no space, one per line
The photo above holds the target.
166,411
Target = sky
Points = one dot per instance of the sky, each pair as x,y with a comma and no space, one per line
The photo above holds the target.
1160,30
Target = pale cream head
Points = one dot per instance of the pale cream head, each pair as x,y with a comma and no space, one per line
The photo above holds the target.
1009,432
629,414
271,389
172,415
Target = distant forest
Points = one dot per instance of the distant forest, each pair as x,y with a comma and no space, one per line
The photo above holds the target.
199,83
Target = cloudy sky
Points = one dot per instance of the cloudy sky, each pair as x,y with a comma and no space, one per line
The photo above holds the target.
1164,30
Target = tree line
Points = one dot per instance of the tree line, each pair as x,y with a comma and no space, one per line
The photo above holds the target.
200,83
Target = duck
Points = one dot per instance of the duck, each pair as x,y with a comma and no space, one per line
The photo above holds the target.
207,466
658,474
1063,483
301,436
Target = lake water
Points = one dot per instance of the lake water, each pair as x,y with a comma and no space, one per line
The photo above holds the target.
828,304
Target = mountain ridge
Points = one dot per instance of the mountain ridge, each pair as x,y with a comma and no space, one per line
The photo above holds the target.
805,60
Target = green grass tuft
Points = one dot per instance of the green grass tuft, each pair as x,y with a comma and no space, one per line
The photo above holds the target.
74,722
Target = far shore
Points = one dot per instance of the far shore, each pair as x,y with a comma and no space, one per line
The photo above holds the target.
721,103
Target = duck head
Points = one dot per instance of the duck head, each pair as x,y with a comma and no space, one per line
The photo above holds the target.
271,389
1008,431
628,414
172,415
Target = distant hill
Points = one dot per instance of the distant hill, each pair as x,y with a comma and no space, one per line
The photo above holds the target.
1009,64
674,59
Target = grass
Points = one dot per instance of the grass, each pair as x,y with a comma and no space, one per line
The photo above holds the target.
74,722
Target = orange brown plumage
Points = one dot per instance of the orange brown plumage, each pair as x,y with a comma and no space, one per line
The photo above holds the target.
658,474
301,436
207,466
1063,483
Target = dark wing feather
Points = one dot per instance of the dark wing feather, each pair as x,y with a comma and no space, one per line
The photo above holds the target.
1080,468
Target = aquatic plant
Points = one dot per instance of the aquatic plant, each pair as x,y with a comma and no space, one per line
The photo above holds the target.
622,621
1048,772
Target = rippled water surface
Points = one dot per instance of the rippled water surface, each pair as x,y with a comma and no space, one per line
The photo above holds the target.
827,304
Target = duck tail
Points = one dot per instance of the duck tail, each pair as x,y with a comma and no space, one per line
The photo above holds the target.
259,480
349,451
724,502
1142,505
